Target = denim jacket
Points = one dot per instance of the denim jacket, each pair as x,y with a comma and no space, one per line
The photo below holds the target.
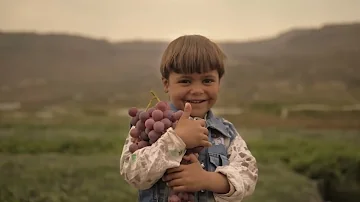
242,175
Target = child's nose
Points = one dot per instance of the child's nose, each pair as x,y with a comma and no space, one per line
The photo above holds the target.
197,89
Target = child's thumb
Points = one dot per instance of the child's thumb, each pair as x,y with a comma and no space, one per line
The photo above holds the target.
187,111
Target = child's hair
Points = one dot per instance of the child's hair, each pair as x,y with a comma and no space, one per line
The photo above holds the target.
192,54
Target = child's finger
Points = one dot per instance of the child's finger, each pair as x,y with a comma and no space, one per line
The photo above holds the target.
202,122
205,131
175,183
180,188
171,177
186,158
205,143
177,169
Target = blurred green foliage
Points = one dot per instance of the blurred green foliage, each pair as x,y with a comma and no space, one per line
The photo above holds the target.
80,162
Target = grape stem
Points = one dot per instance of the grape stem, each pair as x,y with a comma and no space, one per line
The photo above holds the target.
154,97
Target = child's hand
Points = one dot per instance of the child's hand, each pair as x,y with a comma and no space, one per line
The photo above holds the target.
192,132
187,178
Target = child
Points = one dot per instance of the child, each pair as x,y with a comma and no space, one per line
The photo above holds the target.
225,170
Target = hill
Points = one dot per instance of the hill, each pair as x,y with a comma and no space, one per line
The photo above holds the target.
328,39
319,65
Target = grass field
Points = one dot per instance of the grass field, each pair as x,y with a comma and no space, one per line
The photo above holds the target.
77,159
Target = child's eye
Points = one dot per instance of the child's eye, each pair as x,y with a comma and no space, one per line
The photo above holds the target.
208,80
185,81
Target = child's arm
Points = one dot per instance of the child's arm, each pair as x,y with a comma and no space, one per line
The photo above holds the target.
241,173
146,166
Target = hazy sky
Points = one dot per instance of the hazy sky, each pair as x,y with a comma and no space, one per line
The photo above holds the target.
166,19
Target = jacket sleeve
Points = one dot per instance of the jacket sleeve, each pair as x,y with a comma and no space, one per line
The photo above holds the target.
242,172
143,168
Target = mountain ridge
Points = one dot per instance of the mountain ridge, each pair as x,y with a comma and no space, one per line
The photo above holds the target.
297,65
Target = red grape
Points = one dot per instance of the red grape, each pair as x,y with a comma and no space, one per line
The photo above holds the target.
140,125
133,121
159,127
153,136
174,198
144,136
191,197
166,122
161,106
185,196
134,132
150,111
157,115
147,130
144,116
143,144
138,114
168,114
133,147
132,111
149,123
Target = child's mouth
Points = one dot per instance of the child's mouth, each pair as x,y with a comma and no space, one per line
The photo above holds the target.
195,101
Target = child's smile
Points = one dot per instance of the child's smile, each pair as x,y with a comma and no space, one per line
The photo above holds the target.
195,101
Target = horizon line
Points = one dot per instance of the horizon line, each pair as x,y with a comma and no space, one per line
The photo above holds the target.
166,40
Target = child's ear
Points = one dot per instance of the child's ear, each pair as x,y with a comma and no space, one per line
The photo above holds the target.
165,84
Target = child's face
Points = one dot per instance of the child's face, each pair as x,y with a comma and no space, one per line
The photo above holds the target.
200,90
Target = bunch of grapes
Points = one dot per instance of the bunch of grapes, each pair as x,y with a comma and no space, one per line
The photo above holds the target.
150,125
